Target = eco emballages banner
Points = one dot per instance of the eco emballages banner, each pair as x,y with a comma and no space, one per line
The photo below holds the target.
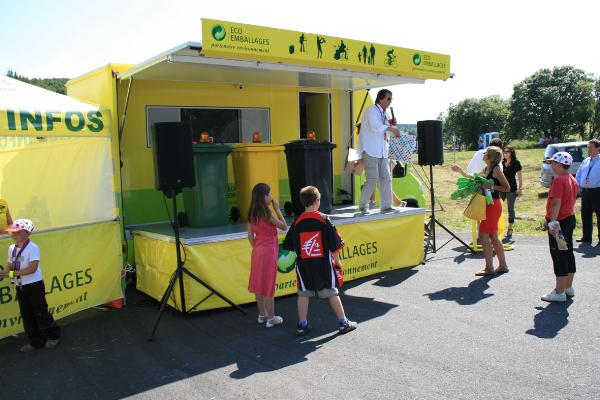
242,41
80,267
371,247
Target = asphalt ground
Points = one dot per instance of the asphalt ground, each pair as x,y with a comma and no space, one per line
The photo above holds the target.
429,332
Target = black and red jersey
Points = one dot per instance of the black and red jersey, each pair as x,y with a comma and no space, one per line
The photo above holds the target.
313,238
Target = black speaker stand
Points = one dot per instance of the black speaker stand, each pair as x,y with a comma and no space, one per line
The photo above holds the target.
178,276
430,226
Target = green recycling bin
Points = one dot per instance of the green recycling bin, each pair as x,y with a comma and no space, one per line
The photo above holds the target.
206,202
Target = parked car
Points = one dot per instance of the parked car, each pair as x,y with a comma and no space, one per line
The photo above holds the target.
577,150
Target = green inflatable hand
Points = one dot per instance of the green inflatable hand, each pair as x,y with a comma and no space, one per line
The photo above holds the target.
286,261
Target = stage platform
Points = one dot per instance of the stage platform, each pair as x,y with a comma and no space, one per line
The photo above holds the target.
220,256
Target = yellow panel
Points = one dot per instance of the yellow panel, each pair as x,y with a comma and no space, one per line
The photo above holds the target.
371,247
58,182
99,87
82,272
317,115
96,87
138,169
243,41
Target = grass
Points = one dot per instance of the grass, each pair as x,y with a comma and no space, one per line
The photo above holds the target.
530,209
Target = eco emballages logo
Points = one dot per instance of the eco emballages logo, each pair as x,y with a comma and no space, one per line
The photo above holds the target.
218,32
416,58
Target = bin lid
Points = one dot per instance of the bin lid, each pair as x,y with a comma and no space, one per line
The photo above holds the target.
309,144
211,148
237,147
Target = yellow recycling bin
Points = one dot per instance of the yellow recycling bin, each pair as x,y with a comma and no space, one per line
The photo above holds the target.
254,163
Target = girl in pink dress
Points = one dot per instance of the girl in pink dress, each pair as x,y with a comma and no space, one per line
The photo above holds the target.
262,234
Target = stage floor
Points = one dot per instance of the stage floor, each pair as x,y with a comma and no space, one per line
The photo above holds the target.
340,215
374,242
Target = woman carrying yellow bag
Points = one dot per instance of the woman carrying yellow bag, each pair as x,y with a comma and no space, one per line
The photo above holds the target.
488,228
476,208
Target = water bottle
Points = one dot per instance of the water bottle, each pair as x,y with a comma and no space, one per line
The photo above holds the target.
488,196
562,243
560,238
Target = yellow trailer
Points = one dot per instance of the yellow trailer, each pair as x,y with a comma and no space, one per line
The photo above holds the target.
239,80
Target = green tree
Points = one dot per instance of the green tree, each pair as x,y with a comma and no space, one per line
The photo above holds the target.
595,126
553,103
54,84
469,118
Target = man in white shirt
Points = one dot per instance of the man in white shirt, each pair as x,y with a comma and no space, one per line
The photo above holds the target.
373,150
588,178
477,164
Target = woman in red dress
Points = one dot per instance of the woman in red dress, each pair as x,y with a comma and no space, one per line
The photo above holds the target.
488,228
262,234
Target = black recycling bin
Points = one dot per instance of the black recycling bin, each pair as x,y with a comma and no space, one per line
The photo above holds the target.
309,164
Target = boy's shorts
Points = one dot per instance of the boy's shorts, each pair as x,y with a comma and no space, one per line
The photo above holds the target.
323,293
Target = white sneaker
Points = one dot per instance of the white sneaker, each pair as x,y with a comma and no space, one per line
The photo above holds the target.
262,319
555,297
570,292
276,320
52,343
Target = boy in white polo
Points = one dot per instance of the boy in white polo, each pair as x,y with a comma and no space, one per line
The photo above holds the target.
24,271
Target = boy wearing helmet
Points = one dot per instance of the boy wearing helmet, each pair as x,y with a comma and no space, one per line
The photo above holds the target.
560,210
24,271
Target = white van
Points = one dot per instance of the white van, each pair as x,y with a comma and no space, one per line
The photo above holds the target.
577,150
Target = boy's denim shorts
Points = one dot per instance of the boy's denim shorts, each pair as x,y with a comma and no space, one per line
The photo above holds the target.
323,293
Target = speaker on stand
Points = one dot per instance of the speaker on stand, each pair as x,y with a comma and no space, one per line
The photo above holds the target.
430,151
174,170
173,156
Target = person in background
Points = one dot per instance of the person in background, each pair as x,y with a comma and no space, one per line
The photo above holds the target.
262,234
488,228
5,218
512,171
588,178
477,164
560,207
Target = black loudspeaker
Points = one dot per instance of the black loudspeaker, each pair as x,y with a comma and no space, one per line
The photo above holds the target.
429,142
173,156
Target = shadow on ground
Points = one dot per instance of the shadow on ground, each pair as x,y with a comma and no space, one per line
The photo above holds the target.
550,320
587,250
103,348
466,296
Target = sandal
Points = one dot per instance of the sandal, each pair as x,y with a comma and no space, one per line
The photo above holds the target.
509,233
485,272
501,269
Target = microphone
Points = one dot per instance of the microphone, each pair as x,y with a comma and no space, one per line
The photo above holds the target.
392,111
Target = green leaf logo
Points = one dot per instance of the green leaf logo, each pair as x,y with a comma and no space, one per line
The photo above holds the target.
218,32
416,59
286,261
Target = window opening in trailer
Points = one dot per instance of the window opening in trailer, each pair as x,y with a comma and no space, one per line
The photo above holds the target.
224,125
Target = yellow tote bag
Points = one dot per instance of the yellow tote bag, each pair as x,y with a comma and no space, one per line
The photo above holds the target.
476,208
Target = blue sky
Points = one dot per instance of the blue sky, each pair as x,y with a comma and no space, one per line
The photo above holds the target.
492,44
